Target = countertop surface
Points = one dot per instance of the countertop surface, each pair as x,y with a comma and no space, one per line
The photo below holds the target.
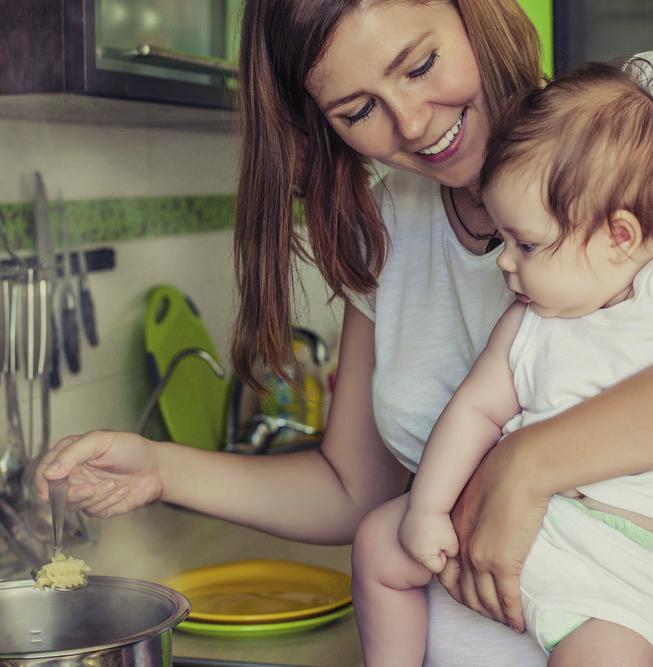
161,540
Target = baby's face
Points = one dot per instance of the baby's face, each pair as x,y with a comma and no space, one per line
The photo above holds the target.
571,280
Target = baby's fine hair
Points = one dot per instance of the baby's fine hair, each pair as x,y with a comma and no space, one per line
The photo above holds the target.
589,136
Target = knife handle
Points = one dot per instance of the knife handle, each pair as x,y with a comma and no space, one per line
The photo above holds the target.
88,315
37,326
70,332
55,374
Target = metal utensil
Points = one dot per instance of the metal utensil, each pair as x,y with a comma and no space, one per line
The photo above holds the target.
37,319
87,306
69,325
57,488
13,459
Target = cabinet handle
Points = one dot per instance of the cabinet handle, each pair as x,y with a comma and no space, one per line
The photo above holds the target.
179,60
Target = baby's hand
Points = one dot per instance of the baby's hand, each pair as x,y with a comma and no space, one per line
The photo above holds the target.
429,538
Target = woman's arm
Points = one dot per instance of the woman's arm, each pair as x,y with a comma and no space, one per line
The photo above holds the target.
315,496
498,515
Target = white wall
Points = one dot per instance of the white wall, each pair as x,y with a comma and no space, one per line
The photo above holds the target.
89,162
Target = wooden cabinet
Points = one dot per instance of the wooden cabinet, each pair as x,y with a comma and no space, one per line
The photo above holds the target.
56,46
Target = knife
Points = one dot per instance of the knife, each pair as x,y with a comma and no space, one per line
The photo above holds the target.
87,306
44,243
38,317
69,326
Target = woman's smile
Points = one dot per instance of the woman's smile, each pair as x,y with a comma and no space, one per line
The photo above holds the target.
447,146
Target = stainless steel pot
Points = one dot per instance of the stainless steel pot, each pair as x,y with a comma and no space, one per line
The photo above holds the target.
113,622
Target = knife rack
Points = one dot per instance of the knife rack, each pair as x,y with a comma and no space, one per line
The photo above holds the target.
97,259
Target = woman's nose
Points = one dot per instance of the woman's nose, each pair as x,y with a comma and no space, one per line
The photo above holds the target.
411,119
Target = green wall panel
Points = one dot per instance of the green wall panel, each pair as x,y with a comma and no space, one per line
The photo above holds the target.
101,220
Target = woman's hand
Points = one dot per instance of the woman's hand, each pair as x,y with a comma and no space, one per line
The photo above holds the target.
110,473
496,518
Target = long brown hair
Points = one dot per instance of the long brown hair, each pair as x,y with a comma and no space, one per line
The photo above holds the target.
290,151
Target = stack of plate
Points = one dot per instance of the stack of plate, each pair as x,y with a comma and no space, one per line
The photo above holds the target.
261,597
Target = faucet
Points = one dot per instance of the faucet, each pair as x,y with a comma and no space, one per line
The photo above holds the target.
197,352
263,429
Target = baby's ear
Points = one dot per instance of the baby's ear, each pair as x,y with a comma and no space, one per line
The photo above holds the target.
625,234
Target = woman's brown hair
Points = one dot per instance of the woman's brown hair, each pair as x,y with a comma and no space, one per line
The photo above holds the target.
290,152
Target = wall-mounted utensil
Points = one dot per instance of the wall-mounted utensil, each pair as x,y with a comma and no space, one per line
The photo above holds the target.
69,324
12,460
55,371
37,321
86,303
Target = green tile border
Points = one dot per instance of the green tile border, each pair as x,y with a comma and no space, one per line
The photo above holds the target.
101,220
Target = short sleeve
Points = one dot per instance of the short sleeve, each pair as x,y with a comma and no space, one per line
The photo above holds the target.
365,303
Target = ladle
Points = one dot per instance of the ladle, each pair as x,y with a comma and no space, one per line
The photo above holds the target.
57,488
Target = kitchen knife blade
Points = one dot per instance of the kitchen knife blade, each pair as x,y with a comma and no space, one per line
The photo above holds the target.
44,243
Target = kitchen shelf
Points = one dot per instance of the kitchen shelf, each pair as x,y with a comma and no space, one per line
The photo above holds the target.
92,110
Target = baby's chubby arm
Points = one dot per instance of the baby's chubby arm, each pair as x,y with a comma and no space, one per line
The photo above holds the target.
469,426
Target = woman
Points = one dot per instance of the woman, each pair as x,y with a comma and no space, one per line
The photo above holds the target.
415,85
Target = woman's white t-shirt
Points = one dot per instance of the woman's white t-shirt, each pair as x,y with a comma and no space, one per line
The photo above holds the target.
433,310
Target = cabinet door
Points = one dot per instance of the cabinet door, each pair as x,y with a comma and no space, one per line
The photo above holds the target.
183,41
157,50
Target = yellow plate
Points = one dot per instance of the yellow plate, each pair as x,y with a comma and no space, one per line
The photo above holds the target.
261,591
262,629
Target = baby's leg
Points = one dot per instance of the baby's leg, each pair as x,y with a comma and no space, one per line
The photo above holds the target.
602,644
389,599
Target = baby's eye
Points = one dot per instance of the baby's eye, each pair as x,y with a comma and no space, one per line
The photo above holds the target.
526,247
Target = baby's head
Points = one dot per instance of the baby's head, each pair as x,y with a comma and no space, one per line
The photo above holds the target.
587,139
568,184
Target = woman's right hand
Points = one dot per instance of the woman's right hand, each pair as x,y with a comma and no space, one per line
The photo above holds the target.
496,518
109,472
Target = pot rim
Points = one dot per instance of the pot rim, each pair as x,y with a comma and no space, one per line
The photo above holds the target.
181,609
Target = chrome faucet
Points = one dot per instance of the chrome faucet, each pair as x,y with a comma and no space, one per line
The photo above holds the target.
197,352
263,429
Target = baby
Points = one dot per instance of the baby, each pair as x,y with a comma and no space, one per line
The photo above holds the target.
569,185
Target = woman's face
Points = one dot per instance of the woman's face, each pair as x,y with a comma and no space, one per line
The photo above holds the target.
400,84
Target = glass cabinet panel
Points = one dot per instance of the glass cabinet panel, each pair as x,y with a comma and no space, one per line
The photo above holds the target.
193,41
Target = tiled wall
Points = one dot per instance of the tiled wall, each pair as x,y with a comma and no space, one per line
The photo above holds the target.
99,162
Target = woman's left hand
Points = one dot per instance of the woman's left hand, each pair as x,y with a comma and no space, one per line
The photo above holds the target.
496,518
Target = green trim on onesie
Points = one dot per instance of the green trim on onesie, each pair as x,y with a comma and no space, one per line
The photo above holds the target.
624,526
567,622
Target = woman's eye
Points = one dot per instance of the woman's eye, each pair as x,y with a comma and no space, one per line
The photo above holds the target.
362,114
424,69
526,247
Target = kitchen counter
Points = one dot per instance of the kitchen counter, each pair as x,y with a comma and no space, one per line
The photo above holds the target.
161,540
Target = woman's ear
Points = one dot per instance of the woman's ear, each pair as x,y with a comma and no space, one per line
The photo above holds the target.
625,235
